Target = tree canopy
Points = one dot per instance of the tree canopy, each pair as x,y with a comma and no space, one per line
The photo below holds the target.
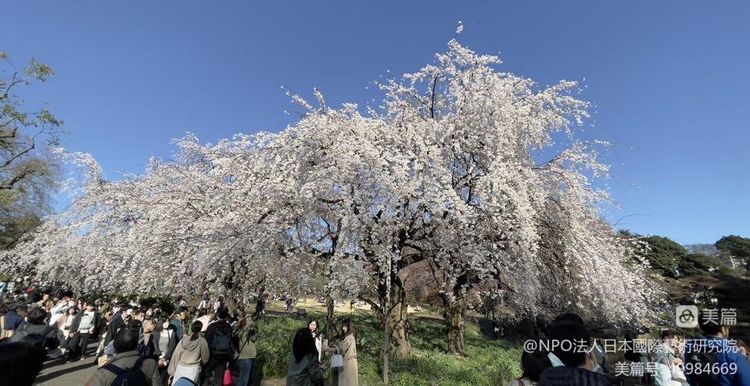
736,246
443,173
27,174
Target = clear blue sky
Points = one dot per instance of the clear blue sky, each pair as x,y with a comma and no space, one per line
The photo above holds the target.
667,79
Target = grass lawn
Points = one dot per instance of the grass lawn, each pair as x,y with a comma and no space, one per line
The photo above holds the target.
486,363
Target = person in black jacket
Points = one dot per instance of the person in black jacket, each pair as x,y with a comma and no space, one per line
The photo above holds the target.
580,365
114,325
219,338
37,331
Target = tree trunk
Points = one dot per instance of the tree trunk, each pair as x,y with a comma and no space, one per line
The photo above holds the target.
456,315
330,317
398,323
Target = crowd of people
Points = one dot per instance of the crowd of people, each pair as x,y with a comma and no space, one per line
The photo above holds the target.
148,345
710,359
173,344
145,345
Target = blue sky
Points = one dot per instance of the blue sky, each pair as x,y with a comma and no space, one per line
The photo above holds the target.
666,77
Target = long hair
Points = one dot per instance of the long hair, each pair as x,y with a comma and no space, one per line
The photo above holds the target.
317,327
303,344
349,327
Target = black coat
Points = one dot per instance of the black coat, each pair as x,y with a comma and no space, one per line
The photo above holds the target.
114,325
156,335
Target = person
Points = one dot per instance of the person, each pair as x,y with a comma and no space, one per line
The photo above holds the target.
58,312
204,301
349,373
260,305
148,346
532,366
166,344
83,325
127,363
13,319
100,349
36,331
313,326
101,310
190,354
714,350
66,325
219,303
179,322
246,351
579,365
43,301
20,363
205,318
115,324
118,321
304,368
742,348
666,360
219,338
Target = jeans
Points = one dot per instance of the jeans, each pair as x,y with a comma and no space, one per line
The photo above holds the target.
245,367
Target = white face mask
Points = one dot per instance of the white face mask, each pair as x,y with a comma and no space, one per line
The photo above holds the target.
165,325
595,366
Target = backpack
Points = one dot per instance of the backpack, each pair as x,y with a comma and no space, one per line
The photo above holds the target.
221,343
702,359
128,377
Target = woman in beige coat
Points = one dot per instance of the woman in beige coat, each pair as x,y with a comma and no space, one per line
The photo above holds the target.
349,374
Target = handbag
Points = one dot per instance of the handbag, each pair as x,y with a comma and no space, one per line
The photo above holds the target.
227,377
337,361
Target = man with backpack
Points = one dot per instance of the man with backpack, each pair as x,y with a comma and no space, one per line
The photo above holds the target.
219,338
127,366
713,358
37,332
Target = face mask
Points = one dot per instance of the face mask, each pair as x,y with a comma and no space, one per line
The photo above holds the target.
595,367
165,325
